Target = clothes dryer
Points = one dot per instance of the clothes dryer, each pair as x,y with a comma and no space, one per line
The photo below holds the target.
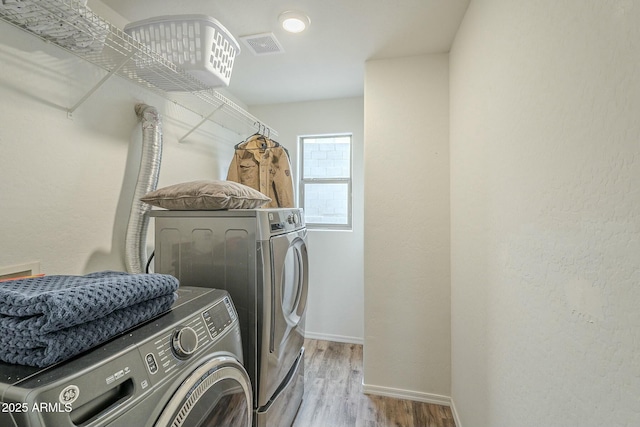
182,369
260,257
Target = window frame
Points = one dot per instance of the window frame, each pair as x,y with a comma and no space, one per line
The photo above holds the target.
349,181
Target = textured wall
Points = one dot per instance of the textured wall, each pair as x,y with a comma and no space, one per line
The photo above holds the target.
545,154
407,317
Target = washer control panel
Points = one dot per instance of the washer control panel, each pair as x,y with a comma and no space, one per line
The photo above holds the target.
167,350
217,319
184,342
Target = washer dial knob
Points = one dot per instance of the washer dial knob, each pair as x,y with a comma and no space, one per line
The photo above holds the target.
184,342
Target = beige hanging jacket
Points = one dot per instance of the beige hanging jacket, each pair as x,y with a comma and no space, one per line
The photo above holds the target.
262,164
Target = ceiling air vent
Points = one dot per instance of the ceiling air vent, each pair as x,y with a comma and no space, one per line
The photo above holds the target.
263,44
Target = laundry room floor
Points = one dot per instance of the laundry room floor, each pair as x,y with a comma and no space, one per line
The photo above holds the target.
333,394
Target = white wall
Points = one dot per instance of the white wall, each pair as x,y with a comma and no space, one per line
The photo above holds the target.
407,278
66,185
545,155
335,308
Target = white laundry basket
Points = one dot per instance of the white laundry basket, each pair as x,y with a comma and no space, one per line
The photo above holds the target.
198,44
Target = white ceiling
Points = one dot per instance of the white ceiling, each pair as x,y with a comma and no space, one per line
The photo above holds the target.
327,60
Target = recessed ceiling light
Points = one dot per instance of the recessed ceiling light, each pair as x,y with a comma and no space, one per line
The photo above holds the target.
294,22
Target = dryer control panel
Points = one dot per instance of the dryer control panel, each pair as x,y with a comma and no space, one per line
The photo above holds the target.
285,220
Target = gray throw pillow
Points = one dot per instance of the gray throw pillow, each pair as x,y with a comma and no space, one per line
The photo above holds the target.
207,196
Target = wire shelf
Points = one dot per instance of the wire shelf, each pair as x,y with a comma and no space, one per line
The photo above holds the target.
72,26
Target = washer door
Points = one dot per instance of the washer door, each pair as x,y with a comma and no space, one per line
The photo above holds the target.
217,393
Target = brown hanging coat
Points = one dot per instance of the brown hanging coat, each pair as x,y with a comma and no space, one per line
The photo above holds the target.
264,165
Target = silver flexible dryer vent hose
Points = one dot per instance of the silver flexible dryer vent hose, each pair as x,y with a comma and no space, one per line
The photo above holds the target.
136,239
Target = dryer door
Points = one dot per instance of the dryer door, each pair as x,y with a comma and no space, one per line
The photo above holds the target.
217,393
290,283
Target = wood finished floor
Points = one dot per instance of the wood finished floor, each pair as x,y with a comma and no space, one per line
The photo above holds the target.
333,394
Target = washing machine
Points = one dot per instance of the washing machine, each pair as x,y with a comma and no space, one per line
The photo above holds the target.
260,257
183,368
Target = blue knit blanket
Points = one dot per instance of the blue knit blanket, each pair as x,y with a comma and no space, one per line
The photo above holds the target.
50,303
49,348
47,319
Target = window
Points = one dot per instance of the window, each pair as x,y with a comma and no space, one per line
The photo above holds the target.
325,181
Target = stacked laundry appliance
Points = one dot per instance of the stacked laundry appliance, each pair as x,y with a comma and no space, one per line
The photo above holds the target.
260,257
48,319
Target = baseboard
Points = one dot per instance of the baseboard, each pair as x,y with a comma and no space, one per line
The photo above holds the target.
454,411
335,338
397,393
